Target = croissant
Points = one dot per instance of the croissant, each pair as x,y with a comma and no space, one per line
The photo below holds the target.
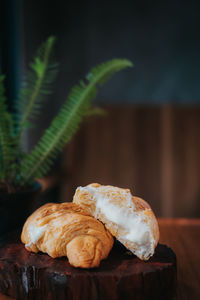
130,219
67,230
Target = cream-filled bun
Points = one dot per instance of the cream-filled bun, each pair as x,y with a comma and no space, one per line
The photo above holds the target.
130,219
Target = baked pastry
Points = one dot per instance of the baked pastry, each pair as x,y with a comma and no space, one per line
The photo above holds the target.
130,219
67,230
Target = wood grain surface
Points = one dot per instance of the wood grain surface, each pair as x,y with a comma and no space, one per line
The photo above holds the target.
183,236
152,150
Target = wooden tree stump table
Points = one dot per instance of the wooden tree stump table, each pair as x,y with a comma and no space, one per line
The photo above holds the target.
25,275
183,235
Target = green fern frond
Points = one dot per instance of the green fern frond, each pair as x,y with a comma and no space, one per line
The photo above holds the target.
38,163
38,84
7,153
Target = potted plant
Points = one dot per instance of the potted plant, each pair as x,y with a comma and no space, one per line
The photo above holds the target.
19,170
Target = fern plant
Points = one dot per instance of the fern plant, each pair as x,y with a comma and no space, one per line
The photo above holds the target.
17,168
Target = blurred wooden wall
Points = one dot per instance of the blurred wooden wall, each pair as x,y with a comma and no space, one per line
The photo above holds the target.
153,151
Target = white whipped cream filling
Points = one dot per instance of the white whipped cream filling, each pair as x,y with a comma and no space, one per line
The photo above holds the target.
35,233
132,222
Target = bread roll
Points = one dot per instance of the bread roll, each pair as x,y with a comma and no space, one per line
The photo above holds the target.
130,219
67,230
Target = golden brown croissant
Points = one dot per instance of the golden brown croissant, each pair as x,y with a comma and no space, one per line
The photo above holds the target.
67,230
130,219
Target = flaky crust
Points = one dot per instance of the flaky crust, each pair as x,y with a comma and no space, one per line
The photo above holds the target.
130,219
67,230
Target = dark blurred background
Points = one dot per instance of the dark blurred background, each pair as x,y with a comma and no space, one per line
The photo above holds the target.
149,141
